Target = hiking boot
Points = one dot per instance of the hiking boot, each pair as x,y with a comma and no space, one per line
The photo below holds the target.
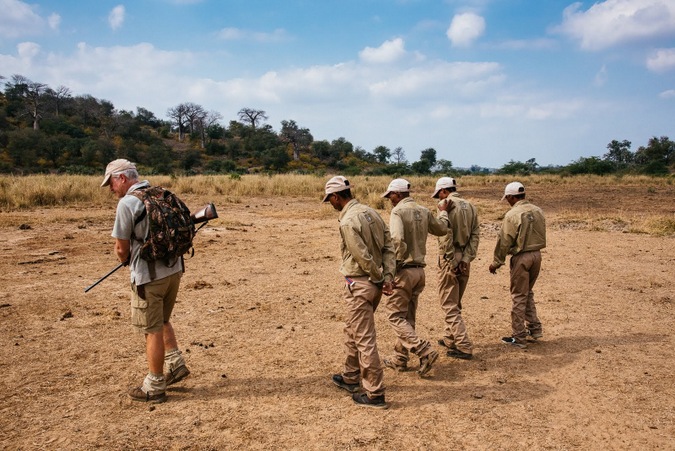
535,335
362,399
426,362
137,394
390,363
441,342
460,355
176,375
513,342
340,382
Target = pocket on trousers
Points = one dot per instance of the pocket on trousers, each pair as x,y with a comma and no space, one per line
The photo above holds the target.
139,310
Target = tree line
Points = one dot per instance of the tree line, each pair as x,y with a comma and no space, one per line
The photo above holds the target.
44,129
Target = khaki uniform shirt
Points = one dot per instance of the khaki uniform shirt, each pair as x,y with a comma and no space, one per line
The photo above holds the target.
465,231
410,224
523,230
366,244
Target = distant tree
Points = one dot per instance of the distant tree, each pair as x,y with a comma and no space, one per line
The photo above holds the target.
252,117
657,156
619,153
204,122
179,116
590,165
519,168
442,167
59,96
398,156
298,138
32,95
382,154
426,162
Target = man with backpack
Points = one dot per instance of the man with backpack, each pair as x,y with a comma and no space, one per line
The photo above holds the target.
154,283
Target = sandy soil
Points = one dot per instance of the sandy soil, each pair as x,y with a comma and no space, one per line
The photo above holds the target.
260,321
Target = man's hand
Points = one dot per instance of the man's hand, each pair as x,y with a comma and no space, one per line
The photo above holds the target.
446,205
388,288
493,268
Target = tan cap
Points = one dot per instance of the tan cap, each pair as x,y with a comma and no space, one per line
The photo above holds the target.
116,167
513,189
335,185
444,182
397,186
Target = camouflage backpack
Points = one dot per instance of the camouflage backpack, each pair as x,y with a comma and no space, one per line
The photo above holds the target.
171,228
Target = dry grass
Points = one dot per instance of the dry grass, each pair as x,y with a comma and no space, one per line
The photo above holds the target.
634,204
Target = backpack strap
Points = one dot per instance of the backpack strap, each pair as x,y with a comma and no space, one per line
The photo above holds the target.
144,213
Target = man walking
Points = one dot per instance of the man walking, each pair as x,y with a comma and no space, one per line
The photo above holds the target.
153,296
456,250
410,224
523,235
368,266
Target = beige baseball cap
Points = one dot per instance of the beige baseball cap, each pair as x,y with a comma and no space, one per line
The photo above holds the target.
444,182
513,189
115,167
397,186
335,185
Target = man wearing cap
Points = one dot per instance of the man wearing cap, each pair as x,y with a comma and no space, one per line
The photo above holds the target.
522,236
456,250
410,224
152,298
368,266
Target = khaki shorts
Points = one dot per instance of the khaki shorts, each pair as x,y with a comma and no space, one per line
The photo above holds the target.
152,303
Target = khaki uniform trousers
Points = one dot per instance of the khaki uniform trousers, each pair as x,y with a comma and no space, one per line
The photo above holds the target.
402,312
451,289
362,359
524,272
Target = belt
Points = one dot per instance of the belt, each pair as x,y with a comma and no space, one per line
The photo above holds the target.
412,265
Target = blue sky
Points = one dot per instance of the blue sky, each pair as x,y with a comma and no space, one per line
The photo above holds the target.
481,81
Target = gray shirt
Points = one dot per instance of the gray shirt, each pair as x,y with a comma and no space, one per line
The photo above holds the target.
129,208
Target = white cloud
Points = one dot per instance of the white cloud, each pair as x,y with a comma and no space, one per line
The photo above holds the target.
116,17
28,50
662,60
465,29
19,19
54,21
237,34
388,52
614,22
668,94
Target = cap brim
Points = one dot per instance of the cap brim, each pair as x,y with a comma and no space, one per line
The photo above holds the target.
435,195
106,180
325,198
387,194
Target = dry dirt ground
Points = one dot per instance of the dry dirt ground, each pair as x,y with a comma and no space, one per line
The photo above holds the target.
260,321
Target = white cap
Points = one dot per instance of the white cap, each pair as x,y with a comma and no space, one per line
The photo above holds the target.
444,182
397,186
335,185
116,167
513,189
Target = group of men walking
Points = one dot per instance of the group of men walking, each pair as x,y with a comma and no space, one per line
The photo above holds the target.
378,260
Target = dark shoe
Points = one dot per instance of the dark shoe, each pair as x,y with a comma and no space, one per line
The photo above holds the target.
512,341
362,399
426,362
460,355
389,363
176,375
340,382
137,394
